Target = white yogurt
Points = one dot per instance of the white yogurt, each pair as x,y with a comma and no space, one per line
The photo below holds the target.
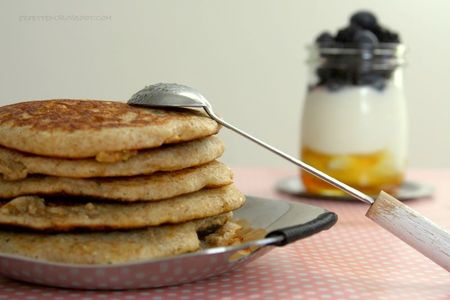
355,120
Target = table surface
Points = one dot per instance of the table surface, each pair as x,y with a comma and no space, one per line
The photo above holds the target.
356,259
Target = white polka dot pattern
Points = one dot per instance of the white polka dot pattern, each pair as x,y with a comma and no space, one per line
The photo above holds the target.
356,259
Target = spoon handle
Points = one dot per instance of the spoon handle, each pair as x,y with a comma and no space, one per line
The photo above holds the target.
411,227
388,212
340,185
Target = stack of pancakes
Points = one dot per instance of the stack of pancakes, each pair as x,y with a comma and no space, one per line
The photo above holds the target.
103,182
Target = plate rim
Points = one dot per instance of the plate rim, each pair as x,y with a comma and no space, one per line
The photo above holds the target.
280,186
260,243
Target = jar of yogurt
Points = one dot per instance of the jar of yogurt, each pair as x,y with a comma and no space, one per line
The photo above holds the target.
354,123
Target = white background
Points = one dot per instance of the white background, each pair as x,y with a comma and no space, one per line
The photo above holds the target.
246,56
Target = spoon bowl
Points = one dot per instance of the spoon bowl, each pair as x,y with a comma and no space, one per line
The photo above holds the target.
169,95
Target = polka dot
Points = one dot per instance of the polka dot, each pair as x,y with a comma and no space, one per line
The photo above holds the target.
178,270
4,262
163,267
62,277
74,272
87,279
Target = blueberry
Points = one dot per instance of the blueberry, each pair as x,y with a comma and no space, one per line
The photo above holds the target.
375,80
394,38
325,39
379,84
389,37
367,78
323,74
364,19
385,36
333,85
365,37
347,34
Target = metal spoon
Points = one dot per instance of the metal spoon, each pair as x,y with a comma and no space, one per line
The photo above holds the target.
176,95
399,219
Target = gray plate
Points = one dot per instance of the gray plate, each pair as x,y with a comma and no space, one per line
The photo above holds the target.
408,190
285,221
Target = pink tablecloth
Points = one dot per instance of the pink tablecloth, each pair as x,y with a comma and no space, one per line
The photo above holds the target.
356,259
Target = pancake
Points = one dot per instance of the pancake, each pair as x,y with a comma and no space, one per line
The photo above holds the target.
89,128
161,185
17,165
109,247
38,214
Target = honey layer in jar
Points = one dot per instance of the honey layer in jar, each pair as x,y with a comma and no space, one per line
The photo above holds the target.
369,173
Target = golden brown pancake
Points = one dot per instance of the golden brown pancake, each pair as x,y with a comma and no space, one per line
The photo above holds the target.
101,182
89,128
38,214
161,185
17,165
109,247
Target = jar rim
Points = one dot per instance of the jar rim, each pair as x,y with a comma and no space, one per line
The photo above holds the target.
384,56
382,49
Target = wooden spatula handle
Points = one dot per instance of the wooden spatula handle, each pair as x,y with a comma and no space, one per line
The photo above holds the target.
413,228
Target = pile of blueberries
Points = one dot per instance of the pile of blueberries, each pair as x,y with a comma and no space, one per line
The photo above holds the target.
365,33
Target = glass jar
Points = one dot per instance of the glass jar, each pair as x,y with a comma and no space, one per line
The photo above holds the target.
354,124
